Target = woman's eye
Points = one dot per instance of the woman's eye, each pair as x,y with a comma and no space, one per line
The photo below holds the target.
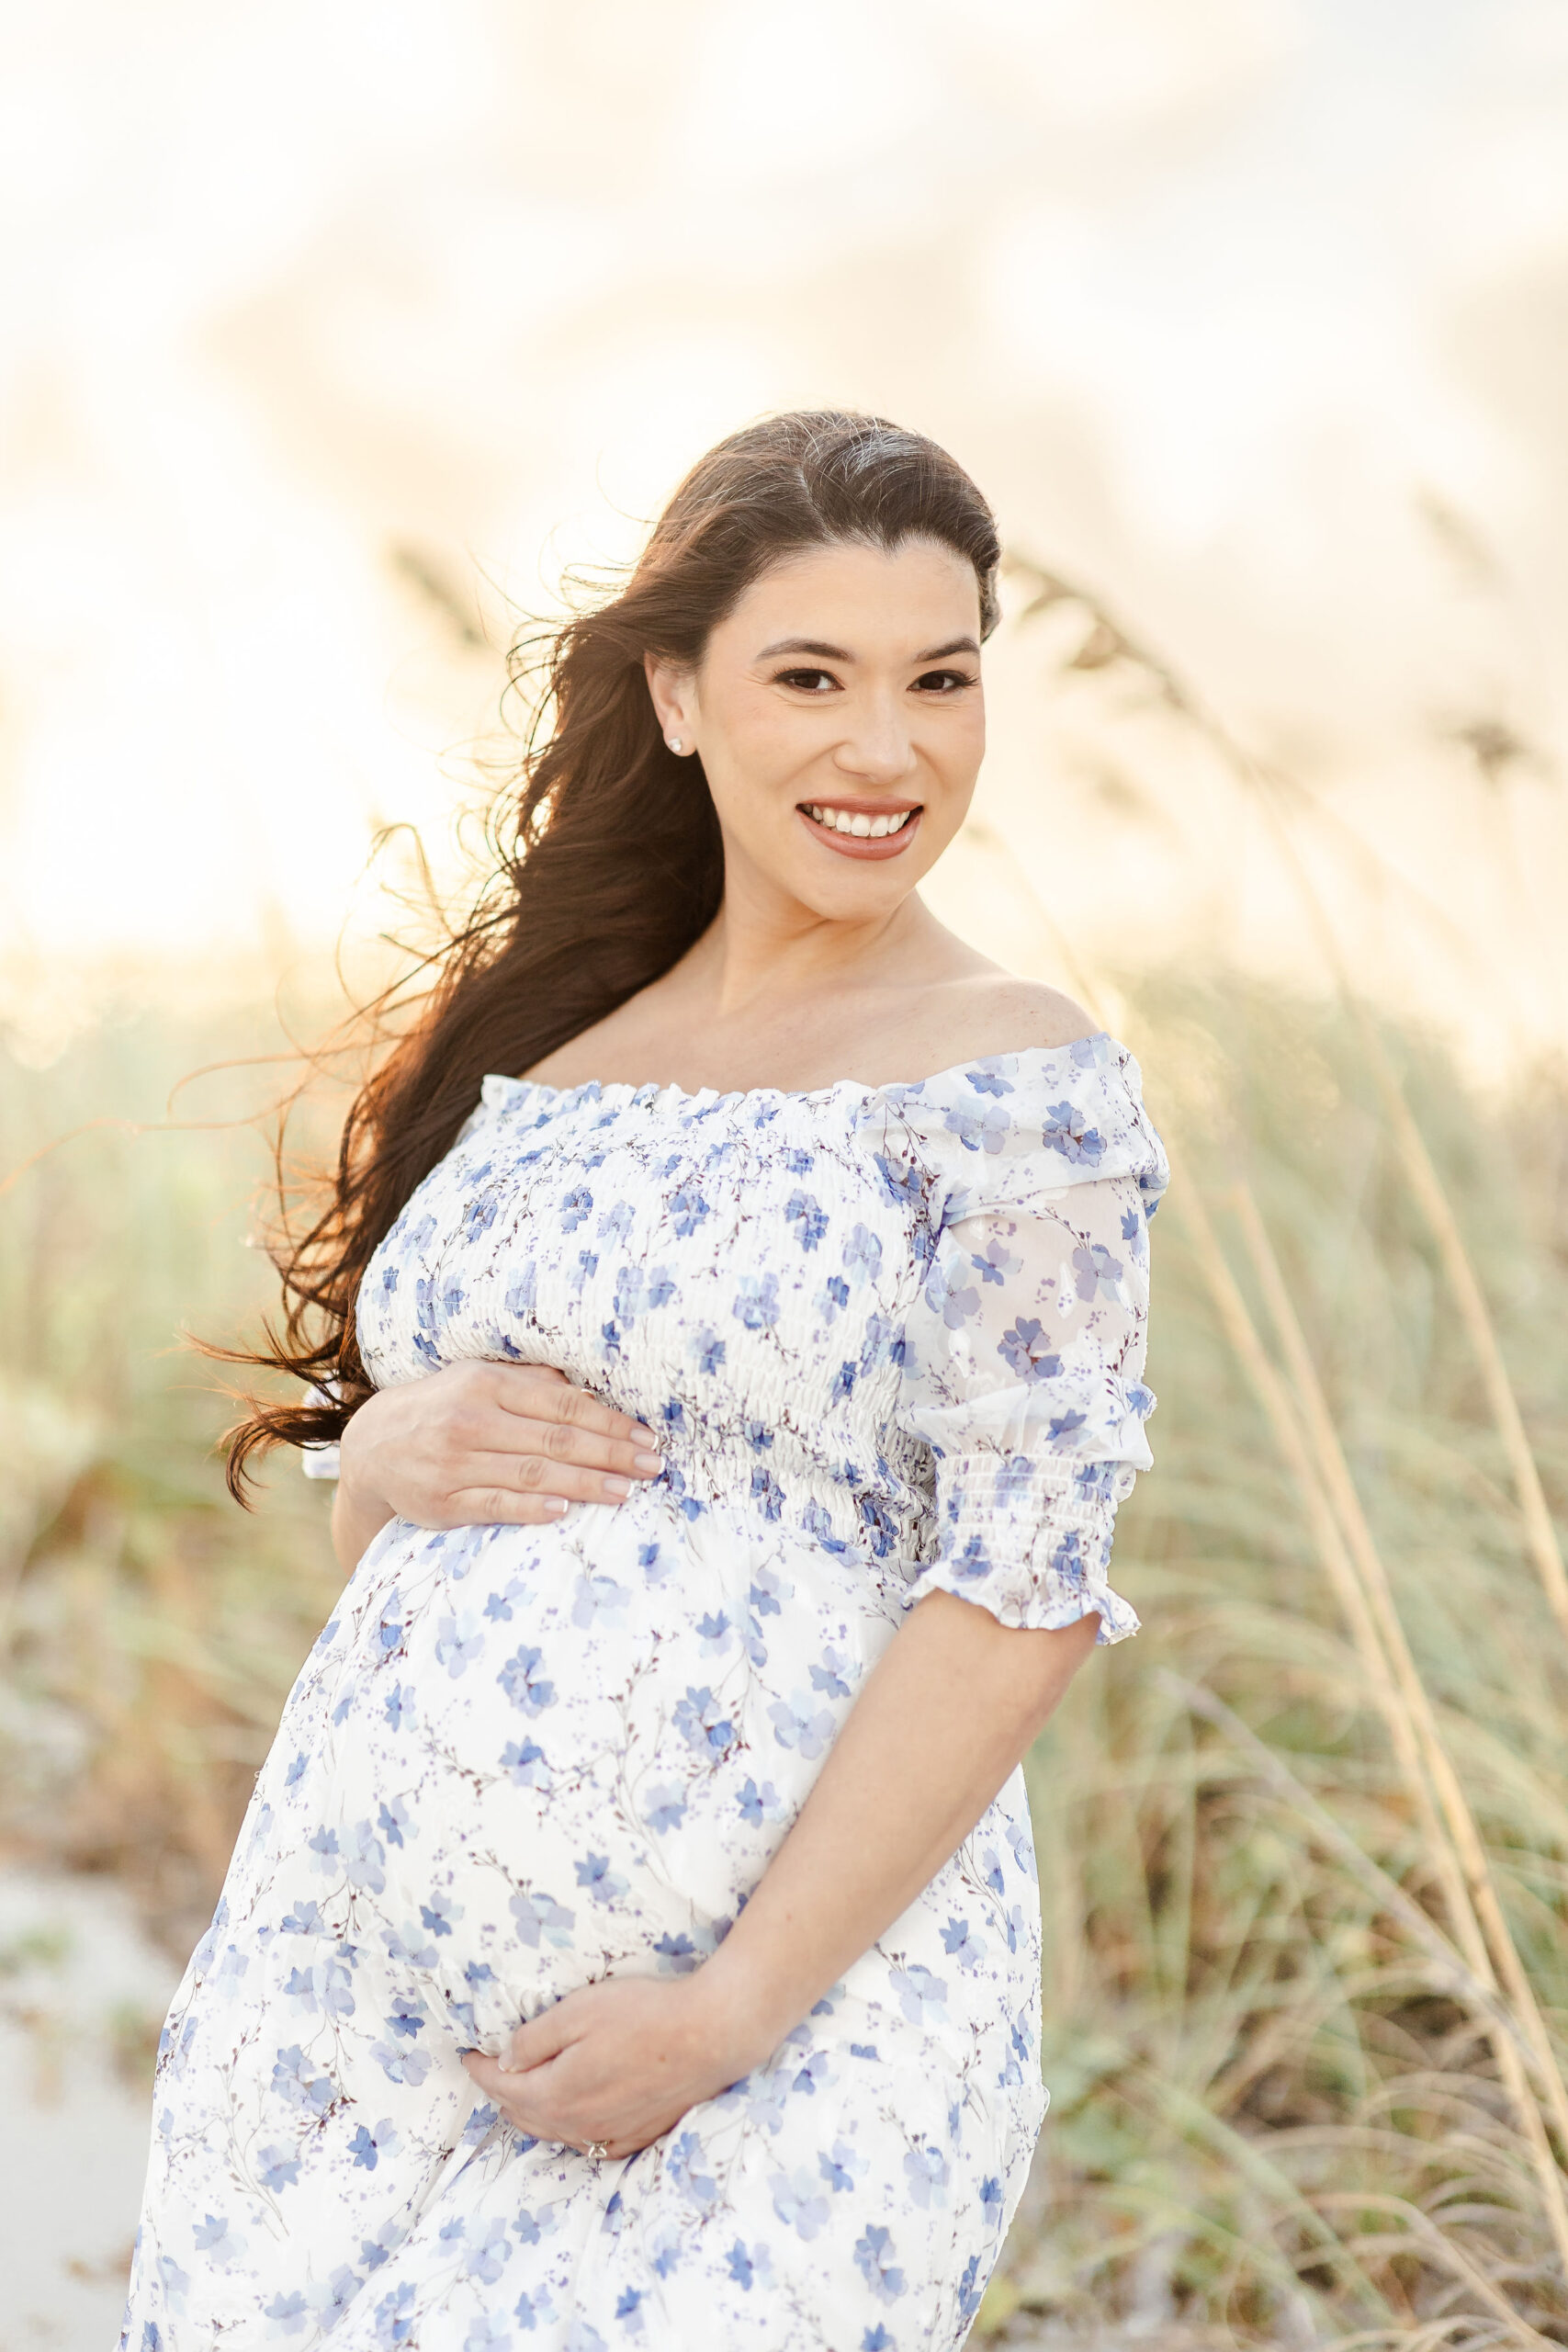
944,681
811,682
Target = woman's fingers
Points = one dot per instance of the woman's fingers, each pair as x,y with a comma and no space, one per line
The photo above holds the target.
543,2037
500,1507
507,2091
537,1392
527,2103
536,1474
515,1504
508,1450
561,1441
498,1437
517,1414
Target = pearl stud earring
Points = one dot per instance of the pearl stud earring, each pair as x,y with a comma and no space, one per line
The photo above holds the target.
674,742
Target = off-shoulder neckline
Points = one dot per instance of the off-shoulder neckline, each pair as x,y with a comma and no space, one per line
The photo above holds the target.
649,1089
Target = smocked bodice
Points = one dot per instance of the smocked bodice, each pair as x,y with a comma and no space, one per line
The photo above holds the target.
814,1298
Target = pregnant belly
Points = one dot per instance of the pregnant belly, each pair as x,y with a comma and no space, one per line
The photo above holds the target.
533,1757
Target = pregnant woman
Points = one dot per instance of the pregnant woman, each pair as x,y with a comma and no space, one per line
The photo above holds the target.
733,1300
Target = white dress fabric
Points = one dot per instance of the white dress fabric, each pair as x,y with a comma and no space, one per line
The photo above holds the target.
893,1341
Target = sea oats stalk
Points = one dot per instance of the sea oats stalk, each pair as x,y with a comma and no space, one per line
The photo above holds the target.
1278,795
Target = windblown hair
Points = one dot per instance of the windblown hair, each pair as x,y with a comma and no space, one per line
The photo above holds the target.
608,868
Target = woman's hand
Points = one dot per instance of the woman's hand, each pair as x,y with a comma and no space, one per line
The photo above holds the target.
476,1443
616,2064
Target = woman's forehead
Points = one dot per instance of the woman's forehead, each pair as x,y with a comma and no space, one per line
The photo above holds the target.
859,600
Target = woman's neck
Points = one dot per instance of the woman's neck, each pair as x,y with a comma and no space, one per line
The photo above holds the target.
751,956
792,999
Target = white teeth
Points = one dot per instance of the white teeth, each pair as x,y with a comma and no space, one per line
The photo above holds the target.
861,827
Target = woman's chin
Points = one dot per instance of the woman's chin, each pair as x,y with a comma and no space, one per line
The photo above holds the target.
848,880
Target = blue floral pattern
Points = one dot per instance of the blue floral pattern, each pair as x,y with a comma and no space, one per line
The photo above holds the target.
893,1341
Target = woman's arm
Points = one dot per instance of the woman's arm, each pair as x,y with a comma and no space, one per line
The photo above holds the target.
944,1717
476,1445
940,1722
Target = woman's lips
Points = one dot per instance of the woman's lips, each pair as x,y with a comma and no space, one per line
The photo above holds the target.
862,845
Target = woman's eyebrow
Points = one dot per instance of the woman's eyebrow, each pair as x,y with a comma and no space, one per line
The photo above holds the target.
805,645
826,652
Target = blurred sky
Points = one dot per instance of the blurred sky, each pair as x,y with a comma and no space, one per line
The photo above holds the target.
1252,315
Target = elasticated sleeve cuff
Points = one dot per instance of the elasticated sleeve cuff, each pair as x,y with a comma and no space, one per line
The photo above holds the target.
1030,1541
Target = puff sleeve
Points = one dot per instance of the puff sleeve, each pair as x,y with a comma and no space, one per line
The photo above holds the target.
1023,1355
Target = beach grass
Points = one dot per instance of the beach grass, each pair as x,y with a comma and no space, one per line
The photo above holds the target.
1298,2098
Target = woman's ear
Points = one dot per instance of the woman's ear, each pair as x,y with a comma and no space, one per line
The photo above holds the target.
674,700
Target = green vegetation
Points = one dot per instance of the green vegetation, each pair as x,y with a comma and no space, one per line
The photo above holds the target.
1276,1996
1276,2093
149,1630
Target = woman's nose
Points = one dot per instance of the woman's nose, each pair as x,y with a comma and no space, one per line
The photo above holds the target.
877,746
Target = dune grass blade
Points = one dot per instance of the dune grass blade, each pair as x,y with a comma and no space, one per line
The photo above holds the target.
1342,1490
1397,1687
1276,795
1443,2251
1540,1532
1449,1969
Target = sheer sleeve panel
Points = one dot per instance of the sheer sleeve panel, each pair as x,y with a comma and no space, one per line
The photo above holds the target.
1024,1353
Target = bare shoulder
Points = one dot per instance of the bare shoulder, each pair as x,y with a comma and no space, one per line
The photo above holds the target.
996,1013
1033,1014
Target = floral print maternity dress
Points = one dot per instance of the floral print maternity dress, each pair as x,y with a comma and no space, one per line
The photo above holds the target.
893,1338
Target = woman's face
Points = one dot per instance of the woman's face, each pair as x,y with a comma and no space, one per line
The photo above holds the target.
840,718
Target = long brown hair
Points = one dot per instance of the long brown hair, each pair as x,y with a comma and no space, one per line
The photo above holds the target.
608,864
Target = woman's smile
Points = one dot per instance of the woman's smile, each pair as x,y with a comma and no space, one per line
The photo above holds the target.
853,828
